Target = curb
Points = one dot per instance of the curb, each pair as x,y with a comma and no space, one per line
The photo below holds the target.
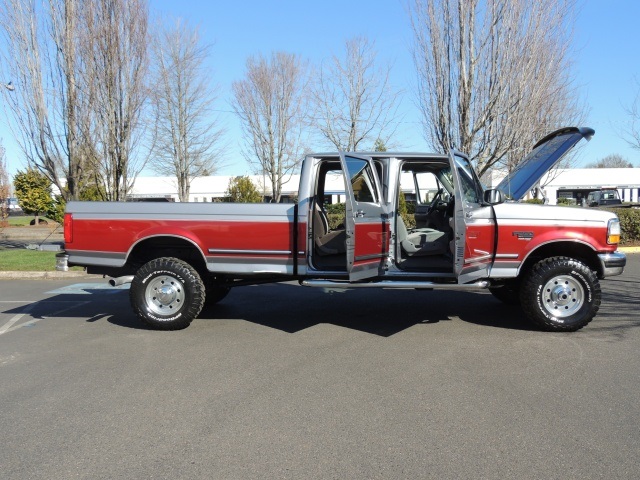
53,275
629,249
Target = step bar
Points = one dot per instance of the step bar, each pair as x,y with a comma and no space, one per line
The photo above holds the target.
337,284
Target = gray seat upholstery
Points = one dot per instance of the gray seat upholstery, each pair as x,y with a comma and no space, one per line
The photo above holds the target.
327,242
421,241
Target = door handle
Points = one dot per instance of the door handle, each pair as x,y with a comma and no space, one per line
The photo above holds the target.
360,213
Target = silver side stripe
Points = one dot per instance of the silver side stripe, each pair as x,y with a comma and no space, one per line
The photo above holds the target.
478,259
249,252
507,255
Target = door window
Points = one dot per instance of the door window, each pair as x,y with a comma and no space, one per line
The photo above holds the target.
362,180
470,187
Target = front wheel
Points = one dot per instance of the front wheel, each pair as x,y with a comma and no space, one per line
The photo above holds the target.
167,293
560,294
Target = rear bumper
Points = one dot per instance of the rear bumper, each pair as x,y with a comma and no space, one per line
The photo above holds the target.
612,263
62,262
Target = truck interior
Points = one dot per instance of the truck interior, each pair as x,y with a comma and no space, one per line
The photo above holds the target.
422,244
426,245
329,244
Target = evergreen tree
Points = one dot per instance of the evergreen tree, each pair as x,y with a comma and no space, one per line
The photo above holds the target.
33,190
242,190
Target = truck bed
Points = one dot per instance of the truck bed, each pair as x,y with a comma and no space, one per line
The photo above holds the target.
232,238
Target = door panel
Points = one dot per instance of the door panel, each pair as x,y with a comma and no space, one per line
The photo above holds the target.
475,225
366,223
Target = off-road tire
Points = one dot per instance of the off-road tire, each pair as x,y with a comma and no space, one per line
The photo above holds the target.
167,293
509,293
560,294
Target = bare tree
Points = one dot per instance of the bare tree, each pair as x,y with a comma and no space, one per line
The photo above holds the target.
188,136
5,187
43,56
493,75
631,133
615,160
118,44
354,102
271,103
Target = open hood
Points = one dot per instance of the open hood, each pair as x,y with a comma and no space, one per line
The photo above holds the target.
545,154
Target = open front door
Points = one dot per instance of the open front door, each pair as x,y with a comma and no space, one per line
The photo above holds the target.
474,227
366,223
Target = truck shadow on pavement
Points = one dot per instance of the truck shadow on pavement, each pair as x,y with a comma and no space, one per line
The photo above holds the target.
619,308
291,308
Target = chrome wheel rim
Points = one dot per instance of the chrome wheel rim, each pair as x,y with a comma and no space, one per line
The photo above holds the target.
164,295
563,296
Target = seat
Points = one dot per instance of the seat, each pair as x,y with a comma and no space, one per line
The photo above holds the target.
327,241
421,241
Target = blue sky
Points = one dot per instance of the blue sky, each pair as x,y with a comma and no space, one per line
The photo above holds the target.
606,46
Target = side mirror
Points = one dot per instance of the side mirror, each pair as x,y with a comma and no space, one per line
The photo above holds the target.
493,196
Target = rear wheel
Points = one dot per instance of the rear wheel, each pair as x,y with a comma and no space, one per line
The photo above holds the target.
167,293
560,294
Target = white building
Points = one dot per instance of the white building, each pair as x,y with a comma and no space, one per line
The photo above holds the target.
573,183
576,183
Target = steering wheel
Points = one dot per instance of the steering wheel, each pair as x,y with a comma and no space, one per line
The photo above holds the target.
434,202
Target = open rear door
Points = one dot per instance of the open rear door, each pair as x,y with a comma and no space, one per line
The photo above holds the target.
366,223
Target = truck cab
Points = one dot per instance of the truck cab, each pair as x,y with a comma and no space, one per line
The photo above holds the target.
375,241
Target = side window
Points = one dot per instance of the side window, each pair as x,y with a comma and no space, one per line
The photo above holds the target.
362,180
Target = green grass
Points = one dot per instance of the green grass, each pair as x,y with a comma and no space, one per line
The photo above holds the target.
22,260
23,221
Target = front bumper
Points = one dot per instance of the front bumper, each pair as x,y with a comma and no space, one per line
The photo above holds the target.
612,263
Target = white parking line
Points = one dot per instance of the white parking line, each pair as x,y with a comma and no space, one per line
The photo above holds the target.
13,320
7,327
39,302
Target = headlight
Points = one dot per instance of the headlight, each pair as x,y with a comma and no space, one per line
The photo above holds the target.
613,232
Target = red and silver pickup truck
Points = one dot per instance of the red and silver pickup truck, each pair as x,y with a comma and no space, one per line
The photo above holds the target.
177,256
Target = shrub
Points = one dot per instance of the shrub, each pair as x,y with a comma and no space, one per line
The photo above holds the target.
335,209
56,211
409,220
335,220
242,190
629,224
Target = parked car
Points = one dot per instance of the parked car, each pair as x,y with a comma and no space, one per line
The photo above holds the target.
13,206
603,197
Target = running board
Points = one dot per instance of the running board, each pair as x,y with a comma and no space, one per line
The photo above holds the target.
395,284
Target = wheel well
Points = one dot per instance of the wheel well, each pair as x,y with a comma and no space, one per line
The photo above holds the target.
578,251
165,246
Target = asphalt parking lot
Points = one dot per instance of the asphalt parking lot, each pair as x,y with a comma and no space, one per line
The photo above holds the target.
279,381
